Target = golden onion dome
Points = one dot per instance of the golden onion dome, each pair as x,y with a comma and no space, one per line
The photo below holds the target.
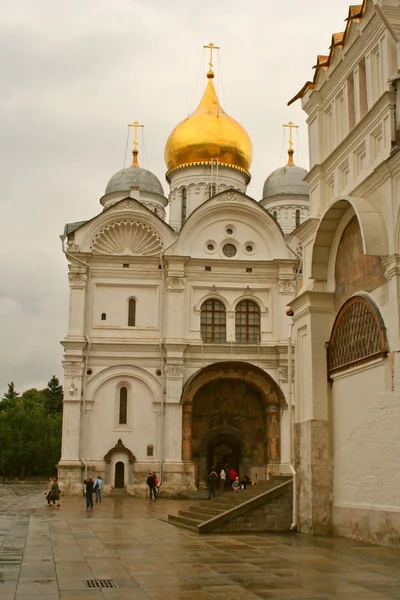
209,134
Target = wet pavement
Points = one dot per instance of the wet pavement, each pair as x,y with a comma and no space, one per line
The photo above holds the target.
52,553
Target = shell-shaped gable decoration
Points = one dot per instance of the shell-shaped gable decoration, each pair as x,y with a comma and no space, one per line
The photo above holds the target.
127,238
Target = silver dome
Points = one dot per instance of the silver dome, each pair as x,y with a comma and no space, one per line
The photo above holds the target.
125,179
286,180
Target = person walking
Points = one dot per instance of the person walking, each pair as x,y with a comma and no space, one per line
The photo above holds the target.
89,492
49,486
151,482
212,482
55,493
98,486
222,479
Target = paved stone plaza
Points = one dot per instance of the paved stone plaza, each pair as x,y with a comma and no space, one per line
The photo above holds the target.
50,553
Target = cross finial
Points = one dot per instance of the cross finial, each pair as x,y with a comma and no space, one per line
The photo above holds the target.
211,47
291,151
135,151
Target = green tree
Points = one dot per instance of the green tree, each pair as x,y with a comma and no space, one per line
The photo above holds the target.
54,396
30,436
12,392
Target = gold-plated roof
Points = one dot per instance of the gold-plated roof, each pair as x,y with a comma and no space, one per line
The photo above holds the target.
209,134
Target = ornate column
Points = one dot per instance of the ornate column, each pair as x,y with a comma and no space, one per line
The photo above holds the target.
230,326
174,383
70,463
176,306
77,277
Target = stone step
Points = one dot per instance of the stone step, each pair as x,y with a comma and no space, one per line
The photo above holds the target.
185,520
202,510
194,514
180,523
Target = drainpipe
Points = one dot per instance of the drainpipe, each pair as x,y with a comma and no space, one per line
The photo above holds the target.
161,346
293,526
86,359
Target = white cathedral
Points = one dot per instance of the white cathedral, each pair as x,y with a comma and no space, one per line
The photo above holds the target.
261,333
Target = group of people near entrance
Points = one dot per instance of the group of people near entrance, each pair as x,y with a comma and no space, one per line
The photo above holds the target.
227,477
92,488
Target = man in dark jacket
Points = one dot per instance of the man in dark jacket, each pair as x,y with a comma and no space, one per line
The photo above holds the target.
151,482
89,492
212,482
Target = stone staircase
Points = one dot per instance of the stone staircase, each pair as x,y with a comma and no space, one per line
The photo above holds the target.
263,507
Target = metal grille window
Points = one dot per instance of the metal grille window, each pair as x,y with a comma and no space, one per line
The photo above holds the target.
213,322
123,406
297,217
247,322
211,190
358,335
132,312
184,205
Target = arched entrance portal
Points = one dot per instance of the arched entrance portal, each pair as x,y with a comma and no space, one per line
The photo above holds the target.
119,475
231,413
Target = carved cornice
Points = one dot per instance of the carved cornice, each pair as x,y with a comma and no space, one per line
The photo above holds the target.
77,280
283,373
176,371
72,247
231,196
176,284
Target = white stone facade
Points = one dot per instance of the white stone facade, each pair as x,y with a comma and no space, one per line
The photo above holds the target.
350,484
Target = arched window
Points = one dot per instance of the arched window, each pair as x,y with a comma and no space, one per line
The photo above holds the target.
132,312
358,335
123,406
183,205
103,316
297,217
213,322
212,190
247,322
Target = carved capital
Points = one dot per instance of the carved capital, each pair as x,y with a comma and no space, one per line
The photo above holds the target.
72,247
176,283
174,371
283,373
287,286
73,369
77,280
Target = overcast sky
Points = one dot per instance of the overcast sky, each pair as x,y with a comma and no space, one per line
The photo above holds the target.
74,73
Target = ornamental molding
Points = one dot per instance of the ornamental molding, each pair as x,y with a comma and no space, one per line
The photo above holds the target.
127,238
287,286
73,369
176,283
72,247
126,205
231,196
174,370
77,280
391,264
247,292
283,373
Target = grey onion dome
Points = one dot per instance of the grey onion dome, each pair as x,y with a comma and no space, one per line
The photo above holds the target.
134,176
286,180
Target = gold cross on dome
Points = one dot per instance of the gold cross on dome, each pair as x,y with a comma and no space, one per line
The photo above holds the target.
135,126
291,151
291,127
211,47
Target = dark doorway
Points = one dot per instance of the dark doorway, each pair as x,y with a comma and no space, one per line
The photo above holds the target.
119,475
222,449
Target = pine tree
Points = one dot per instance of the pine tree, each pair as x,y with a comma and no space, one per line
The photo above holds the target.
53,396
12,392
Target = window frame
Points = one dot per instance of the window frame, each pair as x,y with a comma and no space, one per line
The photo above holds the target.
247,329
132,312
123,406
213,321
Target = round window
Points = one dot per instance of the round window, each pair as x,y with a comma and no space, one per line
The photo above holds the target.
229,231
229,250
249,248
210,246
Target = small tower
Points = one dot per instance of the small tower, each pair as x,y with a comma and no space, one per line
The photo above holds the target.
206,153
285,193
137,183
